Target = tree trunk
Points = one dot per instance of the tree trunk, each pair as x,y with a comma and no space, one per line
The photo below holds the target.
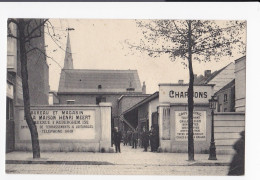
190,98
26,96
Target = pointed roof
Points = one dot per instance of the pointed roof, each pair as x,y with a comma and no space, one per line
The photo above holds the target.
68,61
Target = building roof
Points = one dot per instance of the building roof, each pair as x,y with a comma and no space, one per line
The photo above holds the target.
240,59
206,80
186,84
148,99
132,95
230,84
98,81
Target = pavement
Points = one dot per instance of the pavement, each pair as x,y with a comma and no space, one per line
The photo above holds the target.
128,156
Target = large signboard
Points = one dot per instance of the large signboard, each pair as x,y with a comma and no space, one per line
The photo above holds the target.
179,93
60,124
199,125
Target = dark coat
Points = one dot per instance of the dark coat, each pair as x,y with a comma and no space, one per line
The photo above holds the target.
117,137
237,165
145,139
135,135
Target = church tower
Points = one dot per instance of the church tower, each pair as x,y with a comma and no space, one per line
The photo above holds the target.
68,61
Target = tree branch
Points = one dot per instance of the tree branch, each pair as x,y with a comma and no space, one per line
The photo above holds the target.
54,40
180,31
12,36
12,21
36,28
36,48
218,45
33,37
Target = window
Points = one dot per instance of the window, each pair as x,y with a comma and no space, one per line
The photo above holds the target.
70,101
225,98
220,108
9,109
99,87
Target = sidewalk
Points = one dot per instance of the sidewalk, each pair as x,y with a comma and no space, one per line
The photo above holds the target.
128,156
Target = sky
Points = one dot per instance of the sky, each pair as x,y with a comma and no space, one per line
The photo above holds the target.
100,44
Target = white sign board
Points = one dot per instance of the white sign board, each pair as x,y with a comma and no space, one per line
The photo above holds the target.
60,124
199,125
179,93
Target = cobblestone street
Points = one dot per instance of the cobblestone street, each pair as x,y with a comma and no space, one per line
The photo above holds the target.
128,162
116,169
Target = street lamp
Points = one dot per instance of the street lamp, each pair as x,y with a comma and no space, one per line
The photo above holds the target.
212,148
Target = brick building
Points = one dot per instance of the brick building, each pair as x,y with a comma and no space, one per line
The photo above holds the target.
220,77
226,98
240,84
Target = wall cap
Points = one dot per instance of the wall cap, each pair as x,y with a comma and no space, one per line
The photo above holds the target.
105,104
229,113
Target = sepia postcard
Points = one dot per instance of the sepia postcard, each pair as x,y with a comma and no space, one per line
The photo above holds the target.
126,96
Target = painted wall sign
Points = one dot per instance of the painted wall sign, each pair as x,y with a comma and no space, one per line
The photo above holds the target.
179,93
60,124
181,125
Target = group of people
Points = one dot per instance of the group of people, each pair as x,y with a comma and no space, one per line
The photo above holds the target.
132,138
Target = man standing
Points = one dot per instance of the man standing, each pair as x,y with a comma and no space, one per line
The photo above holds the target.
152,138
117,139
135,138
145,139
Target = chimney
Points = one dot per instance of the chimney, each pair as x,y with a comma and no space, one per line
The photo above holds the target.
195,78
180,81
130,88
144,88
207,73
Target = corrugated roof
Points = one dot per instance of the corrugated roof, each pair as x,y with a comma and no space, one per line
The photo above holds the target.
85,80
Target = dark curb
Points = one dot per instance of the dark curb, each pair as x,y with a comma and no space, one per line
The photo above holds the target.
104,163
58,162
209,164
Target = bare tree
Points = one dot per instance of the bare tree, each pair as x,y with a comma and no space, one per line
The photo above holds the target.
29,29
190,40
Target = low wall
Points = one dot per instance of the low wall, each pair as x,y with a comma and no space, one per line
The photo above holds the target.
173,128
228,126
66,128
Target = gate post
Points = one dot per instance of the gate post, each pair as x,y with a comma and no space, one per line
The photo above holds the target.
105,114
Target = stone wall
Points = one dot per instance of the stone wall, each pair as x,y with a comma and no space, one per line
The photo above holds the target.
169,128
67,128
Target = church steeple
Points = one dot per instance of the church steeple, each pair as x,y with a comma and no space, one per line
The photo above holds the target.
68,61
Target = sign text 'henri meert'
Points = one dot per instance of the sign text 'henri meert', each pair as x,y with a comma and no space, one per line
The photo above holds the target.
61,124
